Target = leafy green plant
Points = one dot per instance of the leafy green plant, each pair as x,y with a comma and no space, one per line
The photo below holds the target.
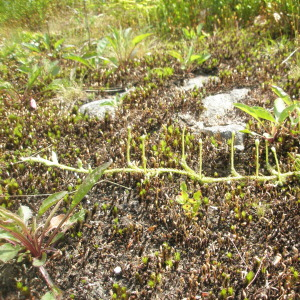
36,73
44,44
187,57
284,108
122,46
37,237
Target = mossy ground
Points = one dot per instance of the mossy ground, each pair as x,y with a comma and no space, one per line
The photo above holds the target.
136,224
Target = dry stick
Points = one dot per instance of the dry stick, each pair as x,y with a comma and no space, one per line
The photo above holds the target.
55,289
238,252
258,270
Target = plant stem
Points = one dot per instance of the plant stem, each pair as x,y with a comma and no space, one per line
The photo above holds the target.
277,163
128,146
257,156
182,145
200,157
233,171
54,288
144,160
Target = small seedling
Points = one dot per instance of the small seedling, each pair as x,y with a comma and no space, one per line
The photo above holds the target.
189,205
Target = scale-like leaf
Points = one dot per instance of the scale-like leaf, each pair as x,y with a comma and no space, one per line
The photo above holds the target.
50,201
9,251
140,38
54,157
88,183
282,94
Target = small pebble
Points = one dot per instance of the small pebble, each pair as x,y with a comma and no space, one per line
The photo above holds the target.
117,270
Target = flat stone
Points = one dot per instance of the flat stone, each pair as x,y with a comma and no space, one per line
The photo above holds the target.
197,82
226,133
219,108
219,117
99,108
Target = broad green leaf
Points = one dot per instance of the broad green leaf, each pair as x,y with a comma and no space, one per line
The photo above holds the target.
88,183
47,41
197,195
194,57
8,215
101,45
186,33
51,200
203,58
33,77
53,68
7,236
286,112
48,296
31,47
9,251
24,69
78,59
189,55
180,199
248,131
279,107
183,187
176,54
79,216
40,262
282,94
5,85
58,44
295,121
25,213
199,29
89,55
57,237
256,112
